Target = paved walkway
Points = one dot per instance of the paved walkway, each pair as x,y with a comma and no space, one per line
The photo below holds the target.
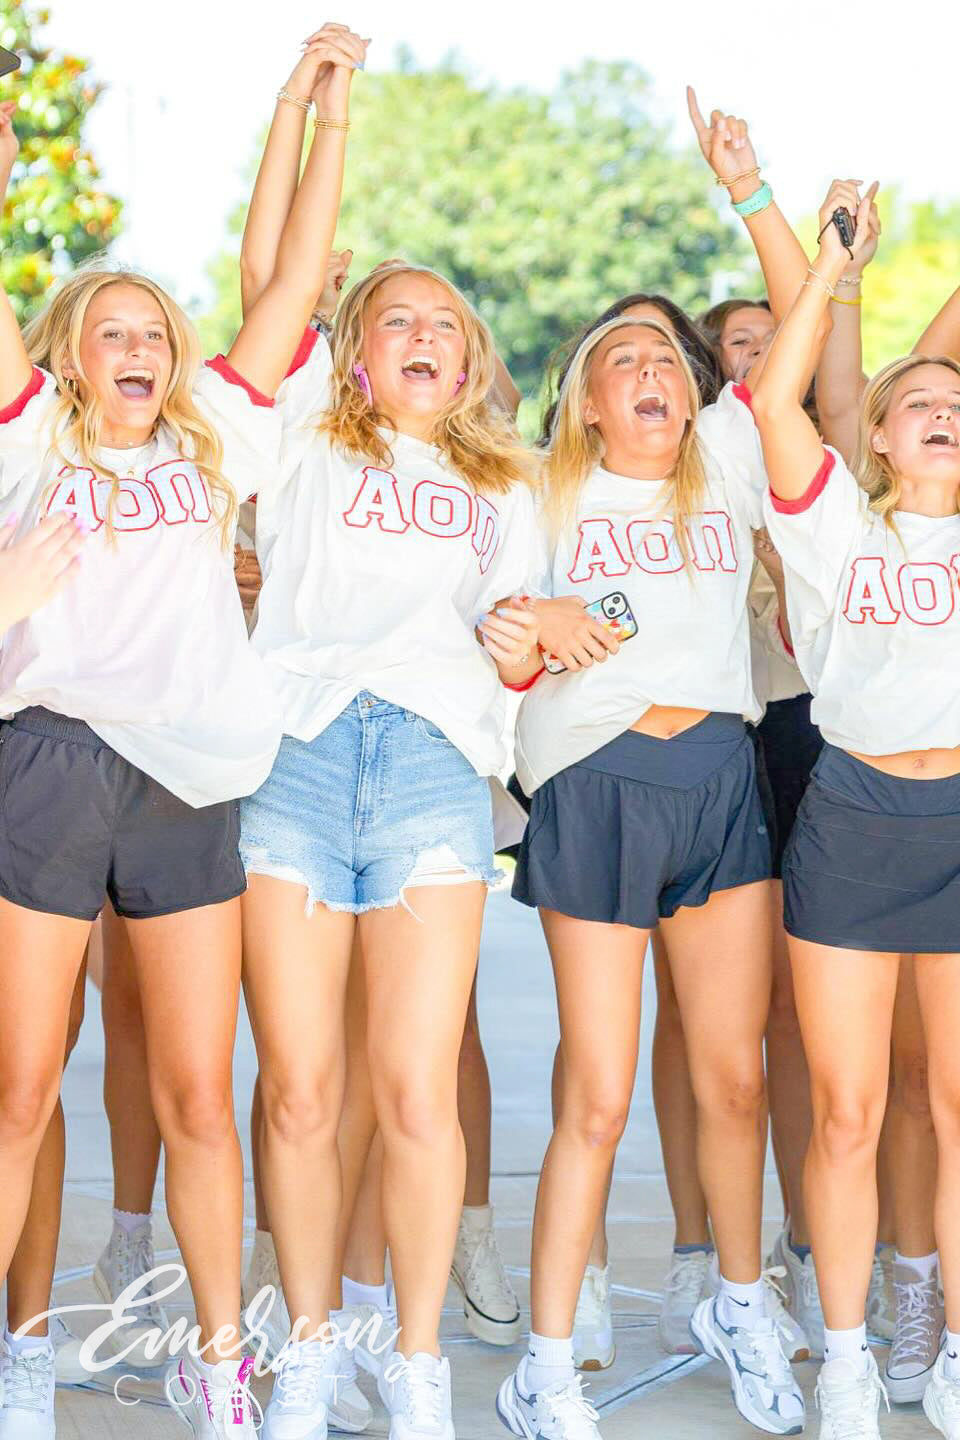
643,1394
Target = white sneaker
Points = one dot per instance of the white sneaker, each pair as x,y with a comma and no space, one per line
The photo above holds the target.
593,1345
29,1382
881,1301
941,1401
307,1380
800,1293
916,1341
213,1401
125,1259
263,1272
349,1409
66,1354
489,1303
849,1402
764,1390
561,1412
416,1395
793,1337
370,1333
688,1281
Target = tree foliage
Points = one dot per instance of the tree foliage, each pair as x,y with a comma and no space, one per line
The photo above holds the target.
55,213
542,209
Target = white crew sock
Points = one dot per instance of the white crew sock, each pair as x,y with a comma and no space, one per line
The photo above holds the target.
924,1265
356,1294
127,1221
743,1305
26,1343
847,1345
547,1362
951,1356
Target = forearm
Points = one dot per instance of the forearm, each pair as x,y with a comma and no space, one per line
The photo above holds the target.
840,377
273,196
308,235
780,253
942,335
795,350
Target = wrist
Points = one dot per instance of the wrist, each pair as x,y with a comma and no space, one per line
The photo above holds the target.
829,267
742,189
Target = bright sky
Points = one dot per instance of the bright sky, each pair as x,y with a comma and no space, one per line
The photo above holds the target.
190,84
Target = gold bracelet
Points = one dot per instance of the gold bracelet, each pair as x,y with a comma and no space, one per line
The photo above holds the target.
294,100
321,123
839,300
734,179
825,283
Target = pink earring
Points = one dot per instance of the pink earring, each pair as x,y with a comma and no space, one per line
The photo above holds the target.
363,381
461,380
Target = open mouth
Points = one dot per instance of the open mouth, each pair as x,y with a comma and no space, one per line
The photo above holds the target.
135,384
941,437
651,407
421,368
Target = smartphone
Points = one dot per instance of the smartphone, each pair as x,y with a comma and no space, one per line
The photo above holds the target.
846,229
614,614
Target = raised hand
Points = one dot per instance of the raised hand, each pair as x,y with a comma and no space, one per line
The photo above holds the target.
845,194
338,268
331,45
35,568
725,142
338,52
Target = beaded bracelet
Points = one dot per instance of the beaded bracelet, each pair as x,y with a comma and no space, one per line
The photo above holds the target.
754,203
321,123
815,274
297,100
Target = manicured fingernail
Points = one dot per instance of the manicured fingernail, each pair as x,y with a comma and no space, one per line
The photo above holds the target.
361,65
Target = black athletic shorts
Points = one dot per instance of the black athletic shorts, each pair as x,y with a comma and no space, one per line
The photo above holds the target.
789,747
874,861
79,823
644,826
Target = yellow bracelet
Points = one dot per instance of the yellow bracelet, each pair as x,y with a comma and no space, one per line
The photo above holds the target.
297,100
321,123
839,300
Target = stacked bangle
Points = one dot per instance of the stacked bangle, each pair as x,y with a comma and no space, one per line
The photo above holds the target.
323,123
744,175
754,203
297,100
844,281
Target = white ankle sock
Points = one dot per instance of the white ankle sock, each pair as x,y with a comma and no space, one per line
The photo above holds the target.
847,1345
477,1217
951,1357
925,1265
128,1221
743,1305
26,1343
547,1362
356,1294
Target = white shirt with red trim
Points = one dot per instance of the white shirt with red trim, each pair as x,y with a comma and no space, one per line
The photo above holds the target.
873,613
693,643
776,675
147,641
374,577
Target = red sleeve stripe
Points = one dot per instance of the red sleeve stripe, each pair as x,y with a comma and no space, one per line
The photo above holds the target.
308,339
816,487
742,392
786,643
15,409
222,367
526,684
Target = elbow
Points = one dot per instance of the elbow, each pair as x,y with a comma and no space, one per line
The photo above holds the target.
770,403
253,281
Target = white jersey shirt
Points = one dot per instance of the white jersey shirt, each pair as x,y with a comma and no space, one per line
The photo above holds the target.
776,675
693,644
146,642
374,577
873,615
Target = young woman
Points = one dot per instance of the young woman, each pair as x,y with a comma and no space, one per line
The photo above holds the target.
870,872
139,716
405,517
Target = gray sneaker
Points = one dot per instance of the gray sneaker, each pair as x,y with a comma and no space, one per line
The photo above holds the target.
916,1341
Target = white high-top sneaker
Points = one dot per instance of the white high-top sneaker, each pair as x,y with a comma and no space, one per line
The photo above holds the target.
489,1304
416,1396
125,1259
29,1382
849,1401
213,1401
593,1343
688,1281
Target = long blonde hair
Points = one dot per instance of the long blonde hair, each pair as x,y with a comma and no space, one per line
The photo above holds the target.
477,440
53,340
577,448
876,473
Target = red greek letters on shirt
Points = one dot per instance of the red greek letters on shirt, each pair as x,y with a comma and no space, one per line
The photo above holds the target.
652,546
173,493
924,589
445,512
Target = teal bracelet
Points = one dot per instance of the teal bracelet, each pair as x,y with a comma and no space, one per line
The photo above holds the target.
756,202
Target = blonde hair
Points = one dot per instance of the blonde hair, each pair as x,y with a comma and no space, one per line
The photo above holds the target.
53,340
876,473
577,448
477,440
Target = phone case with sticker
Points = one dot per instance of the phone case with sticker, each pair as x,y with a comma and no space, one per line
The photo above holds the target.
614,614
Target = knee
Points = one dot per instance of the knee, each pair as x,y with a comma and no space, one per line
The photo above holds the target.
598,1114
299,1109
417,1110
846,1128
197,1110
910,1084
27,1101
732,1092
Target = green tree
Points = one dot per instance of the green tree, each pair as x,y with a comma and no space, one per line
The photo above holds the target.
55,214
542,209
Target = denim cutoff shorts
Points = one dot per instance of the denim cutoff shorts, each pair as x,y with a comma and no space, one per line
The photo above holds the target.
378,802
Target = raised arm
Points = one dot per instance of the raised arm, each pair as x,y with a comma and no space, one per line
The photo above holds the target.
729,152
840,378
942,335
276,320
15,368
792,448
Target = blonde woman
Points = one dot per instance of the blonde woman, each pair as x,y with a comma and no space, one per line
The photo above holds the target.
140,715
871,556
